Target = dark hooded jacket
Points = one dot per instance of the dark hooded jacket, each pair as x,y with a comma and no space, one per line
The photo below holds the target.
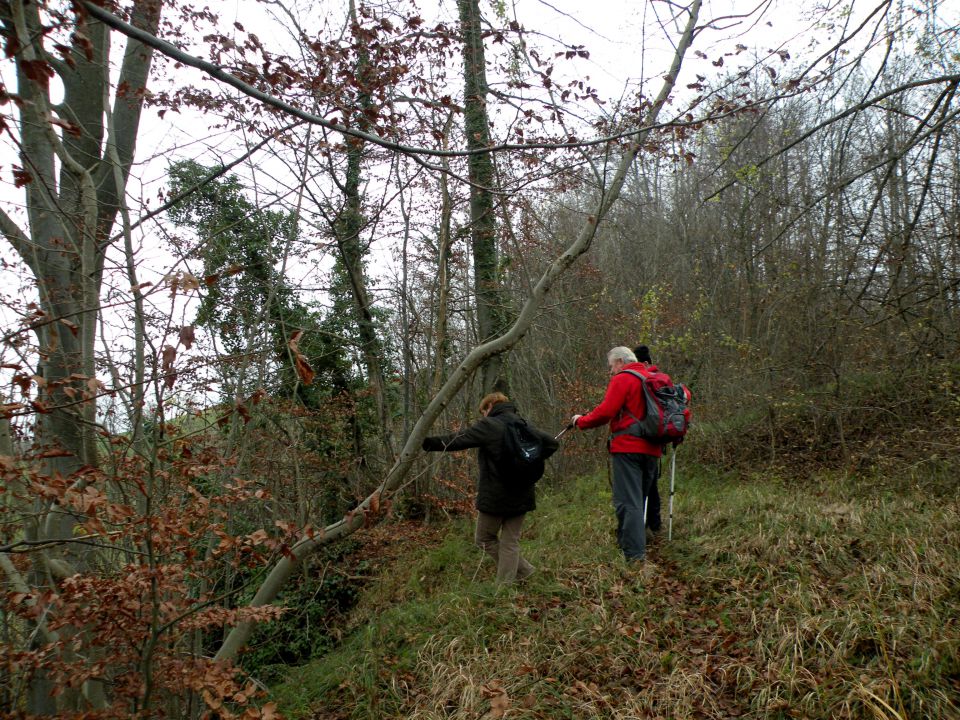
496,494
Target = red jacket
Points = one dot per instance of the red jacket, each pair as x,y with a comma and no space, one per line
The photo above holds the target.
623,393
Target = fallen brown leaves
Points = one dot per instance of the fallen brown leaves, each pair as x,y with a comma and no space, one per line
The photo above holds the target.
499,700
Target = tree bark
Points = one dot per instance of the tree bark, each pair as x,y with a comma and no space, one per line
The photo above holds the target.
347,229
69,215
483,229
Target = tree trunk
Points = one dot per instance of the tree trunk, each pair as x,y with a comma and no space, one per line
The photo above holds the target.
444,241
69,219
347,228
483,230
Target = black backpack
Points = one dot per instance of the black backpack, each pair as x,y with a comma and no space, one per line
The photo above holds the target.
522,453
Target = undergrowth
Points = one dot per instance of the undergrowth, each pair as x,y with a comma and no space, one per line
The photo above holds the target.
837,596
861,423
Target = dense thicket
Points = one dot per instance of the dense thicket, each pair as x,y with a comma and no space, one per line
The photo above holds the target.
390,214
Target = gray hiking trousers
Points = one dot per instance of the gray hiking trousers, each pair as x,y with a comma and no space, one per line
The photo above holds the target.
633,477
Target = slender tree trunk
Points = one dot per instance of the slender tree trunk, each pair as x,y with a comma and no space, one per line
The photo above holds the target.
347,228
444,241
439,334
483,230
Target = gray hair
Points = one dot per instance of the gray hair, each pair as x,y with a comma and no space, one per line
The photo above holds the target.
621,353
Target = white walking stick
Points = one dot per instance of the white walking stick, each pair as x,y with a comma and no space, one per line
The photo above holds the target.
673,473
563,432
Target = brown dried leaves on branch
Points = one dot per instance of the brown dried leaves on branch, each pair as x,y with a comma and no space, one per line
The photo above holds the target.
111,613
169,354
187,336
299,360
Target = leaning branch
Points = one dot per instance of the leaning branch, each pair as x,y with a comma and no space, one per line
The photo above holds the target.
19,585
367,510
17,237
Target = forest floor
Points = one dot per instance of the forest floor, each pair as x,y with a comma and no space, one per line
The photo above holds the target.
831,597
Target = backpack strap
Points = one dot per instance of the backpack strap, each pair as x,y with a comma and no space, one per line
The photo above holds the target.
634,427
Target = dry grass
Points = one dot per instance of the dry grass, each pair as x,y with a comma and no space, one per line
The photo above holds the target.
833,598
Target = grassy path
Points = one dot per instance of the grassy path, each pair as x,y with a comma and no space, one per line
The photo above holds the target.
827,598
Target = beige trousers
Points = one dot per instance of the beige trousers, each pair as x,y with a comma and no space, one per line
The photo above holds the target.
499,537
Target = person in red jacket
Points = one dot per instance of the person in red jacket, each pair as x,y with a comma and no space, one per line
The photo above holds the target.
635,459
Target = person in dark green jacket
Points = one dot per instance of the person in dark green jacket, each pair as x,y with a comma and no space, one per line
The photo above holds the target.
502,502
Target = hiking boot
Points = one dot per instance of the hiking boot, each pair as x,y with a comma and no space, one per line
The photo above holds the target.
632,566
639,571
525,576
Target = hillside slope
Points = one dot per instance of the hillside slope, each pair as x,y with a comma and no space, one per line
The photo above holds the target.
836,597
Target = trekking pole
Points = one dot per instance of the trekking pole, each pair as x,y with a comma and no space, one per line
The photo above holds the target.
562,432
673,472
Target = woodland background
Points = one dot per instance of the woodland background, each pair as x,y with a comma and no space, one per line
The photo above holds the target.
251,265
